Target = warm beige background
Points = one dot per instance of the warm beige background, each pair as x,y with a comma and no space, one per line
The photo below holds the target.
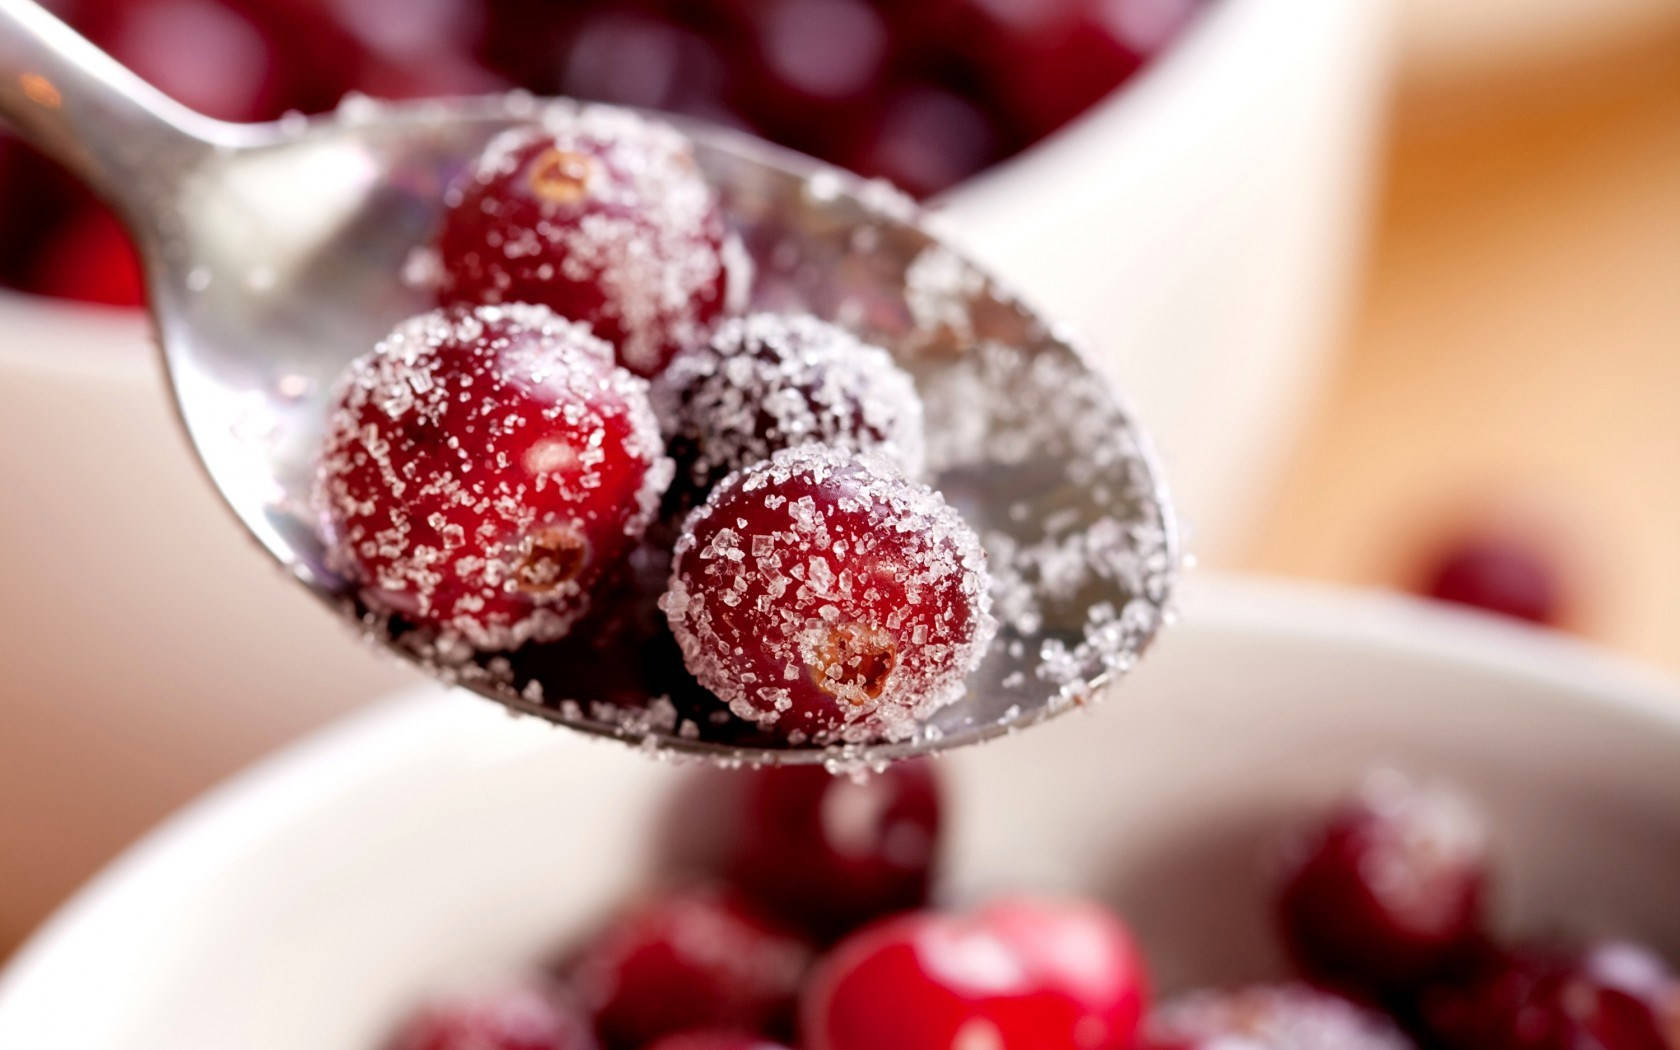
1516,349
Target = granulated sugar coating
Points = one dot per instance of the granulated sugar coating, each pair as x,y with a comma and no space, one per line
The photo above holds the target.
483,467
1269,1017
601,215
829,599
768,382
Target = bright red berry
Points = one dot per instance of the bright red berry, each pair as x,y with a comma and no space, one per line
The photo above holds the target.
828,598
1267,1017
768,382
522,1017
1539,999
715,1041
829,853
483,467
1499,574
1034,975
687,960
91,259
1387,893
602,216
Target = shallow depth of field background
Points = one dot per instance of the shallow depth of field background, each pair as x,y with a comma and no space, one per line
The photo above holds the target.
1511,361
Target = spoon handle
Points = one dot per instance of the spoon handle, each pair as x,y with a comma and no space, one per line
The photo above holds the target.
77,104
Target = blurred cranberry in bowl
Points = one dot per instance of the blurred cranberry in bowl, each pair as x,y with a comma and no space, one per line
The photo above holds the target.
428,842
1105,224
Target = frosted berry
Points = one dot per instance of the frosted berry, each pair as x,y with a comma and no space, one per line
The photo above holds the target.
1541,999
602,216
830,853
768,382
683,961
1498,574
1265,1017
715,1041
1388,892
483,467
1049,975
824,596
521,1017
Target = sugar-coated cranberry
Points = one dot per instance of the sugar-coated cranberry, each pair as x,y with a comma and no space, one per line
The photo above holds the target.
1027,974
694,959
90,258
825,596
1269,1017
716,1041
483,467
1388,891
830,853
601,215
1498,574
1543,999
521,1017
768,382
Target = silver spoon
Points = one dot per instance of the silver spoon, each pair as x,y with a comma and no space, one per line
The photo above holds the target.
274,254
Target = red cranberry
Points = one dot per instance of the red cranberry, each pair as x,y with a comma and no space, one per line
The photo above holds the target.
1638,971
830,853
1388,892
602,216
715,1041
409,32
634,59
525,1017
817,52
484,467
438,76
90,259
826,597
205,54
1499,574
1049,61
1536,999
1050,975
687,960
1282,1017
766,382
925,139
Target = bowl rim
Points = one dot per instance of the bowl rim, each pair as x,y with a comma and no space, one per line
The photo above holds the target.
369,745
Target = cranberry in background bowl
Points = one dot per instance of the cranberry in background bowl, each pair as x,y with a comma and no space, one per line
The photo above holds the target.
431,845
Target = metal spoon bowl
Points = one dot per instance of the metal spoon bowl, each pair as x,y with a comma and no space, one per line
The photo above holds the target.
276,253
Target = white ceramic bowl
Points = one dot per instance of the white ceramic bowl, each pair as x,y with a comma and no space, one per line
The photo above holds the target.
432,840
1198,227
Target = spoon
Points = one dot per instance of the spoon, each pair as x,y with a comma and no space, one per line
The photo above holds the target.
276,253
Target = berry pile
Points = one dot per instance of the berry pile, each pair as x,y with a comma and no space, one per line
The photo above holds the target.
490,468
924,93
800,919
